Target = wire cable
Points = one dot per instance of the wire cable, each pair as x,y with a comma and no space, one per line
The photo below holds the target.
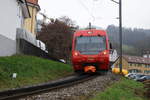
86,8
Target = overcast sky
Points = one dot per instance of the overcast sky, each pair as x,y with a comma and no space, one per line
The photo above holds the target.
136,13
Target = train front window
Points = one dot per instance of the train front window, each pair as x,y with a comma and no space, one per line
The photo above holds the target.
90,44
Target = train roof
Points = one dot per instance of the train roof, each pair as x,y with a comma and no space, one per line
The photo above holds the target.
90,32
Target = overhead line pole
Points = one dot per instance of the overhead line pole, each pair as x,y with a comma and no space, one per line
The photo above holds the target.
120,31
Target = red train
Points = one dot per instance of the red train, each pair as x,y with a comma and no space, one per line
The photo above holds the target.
90,51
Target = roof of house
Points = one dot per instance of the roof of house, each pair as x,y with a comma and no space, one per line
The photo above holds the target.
137,59
33,3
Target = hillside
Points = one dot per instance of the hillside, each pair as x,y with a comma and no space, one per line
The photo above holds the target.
134,38
130,50
30,70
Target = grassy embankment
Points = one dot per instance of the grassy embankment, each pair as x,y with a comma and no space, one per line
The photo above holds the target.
30,70
124,89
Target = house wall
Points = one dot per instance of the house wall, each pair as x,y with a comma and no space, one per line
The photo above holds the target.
7,46
143,68
30,23
10,18
133,66
124,64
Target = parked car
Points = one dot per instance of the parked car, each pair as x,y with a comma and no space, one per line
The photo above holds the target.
130,75
144,78
137,76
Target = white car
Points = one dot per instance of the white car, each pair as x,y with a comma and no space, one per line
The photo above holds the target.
144,78
138,76
130,75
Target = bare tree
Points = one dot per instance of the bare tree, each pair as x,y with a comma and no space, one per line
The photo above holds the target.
57,35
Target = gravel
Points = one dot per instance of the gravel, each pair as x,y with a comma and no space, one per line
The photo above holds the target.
81,91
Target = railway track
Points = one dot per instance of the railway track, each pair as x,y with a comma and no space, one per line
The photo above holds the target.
26,91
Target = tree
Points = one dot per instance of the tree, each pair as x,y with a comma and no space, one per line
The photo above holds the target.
134,40
57,35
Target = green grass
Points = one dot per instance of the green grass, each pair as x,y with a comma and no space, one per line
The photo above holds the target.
124,89
30,70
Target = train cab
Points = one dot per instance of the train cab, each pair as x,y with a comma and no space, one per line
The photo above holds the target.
90,51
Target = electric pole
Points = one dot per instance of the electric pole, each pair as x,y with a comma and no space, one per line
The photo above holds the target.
90,26
120,32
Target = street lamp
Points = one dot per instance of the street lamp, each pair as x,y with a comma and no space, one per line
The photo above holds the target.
120,31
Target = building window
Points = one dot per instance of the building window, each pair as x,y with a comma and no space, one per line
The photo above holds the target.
135,71
147,66
130,64
147,71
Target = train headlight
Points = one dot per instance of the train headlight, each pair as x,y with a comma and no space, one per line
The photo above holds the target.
76,53
104,52
89,32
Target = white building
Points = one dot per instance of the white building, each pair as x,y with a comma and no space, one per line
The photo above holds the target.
13,13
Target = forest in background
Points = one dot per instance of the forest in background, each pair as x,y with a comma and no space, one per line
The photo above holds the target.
134,40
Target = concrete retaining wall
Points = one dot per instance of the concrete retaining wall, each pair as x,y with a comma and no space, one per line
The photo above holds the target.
25,47
7,46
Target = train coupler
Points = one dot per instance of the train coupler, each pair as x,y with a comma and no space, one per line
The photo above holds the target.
89,69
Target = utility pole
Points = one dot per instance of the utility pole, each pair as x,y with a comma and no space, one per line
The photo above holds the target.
120,32
90,26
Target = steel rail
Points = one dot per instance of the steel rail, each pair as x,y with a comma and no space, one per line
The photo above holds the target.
26,91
